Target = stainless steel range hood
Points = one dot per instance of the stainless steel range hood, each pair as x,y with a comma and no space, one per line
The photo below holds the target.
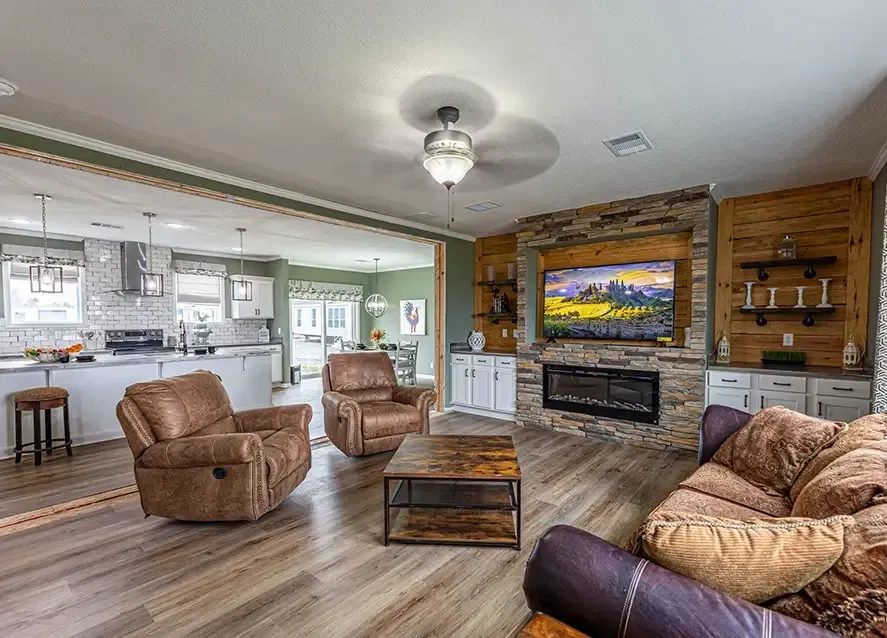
133,263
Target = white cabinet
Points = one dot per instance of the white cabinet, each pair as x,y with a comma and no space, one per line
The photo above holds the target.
483,384
261,306
844,409
737,398
790,400
277,366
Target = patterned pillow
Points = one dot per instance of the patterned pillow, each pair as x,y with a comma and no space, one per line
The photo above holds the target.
774,446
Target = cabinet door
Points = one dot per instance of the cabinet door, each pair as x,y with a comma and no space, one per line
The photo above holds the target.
245,309
844,409
460,376
263,295
737,399
276,367
482,387
505,390
790,400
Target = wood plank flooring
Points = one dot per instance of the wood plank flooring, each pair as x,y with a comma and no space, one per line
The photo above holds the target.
316,565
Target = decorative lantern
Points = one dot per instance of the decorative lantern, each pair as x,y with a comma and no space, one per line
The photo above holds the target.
852,355
724,350
241,288
152,282
787,248
45,278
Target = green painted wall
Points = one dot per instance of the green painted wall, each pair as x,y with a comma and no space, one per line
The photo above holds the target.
397,285
458,266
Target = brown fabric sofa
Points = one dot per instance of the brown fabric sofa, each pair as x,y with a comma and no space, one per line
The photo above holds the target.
198,460
364,410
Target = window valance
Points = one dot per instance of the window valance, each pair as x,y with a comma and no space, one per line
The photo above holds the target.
207,269
319,291
34,255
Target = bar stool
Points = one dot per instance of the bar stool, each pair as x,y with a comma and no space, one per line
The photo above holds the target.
34,400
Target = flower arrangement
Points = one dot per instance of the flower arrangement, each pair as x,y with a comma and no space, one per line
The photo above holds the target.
377,335
51,355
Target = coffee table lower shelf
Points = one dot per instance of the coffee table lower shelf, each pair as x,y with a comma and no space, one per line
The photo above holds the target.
454,526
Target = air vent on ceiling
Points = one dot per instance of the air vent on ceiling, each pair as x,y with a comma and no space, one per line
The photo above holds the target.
482,206
628,144
106,225
422,215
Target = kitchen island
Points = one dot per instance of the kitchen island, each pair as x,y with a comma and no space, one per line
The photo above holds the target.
96,387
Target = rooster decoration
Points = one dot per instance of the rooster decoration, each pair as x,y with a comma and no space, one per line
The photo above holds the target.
411,314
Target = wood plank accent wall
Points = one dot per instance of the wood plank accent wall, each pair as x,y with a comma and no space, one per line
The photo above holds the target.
677,246
497,251
827,219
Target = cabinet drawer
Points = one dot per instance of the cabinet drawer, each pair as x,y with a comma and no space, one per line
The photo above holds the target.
843,388
482,360
506,362
729,379
460,358
782,384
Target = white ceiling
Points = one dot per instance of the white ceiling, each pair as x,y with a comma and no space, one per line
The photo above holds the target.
333,99
80,198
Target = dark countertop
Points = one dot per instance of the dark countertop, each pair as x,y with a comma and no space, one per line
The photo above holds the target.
458,348
805,371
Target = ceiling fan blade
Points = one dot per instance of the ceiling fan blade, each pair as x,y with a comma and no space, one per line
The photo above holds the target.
419,103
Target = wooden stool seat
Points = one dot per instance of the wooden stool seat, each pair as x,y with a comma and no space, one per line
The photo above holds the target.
36,400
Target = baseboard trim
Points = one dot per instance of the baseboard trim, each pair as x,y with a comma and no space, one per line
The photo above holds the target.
93,437
503,416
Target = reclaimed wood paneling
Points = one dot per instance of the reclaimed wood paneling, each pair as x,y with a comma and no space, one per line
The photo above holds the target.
827,219
496,251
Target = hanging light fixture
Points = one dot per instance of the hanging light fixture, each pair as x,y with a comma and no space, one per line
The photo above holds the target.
376,305
45,278
450,155
241,289
152,282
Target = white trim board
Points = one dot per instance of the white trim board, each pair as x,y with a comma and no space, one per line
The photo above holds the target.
880,161
92,144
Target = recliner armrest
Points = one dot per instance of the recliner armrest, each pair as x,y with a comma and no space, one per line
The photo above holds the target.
605,592
275,417
342,405
417,396
202,451
718,423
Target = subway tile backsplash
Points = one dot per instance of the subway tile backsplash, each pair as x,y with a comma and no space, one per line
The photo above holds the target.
106,310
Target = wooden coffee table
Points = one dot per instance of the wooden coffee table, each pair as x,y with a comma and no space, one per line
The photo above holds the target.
461,490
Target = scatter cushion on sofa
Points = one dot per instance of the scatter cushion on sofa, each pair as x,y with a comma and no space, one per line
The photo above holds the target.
859,433
718,480
774,446
754,560
847,485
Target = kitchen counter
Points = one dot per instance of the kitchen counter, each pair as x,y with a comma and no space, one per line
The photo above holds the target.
805,371
22,364
499,352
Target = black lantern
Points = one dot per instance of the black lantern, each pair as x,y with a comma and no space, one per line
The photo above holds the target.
241,289
152,282
45,278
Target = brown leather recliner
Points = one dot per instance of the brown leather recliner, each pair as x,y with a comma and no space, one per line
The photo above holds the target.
198,460
364,410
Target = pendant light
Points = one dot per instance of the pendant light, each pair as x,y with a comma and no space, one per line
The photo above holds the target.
241,289
376,305
449,152
152,282
45,278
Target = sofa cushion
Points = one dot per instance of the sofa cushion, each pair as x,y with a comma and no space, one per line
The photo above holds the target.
693,502
859,433
718,480
849,484
755,560
774,446
369,395
386,418
285,450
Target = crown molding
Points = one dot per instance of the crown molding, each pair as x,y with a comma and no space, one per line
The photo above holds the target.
23,126
362,272
880,161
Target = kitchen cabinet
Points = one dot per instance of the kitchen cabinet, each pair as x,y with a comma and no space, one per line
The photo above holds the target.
790,400
483,384
261,306
732,398
844,409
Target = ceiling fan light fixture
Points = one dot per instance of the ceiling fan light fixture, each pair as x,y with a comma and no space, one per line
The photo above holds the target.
449,167
450,152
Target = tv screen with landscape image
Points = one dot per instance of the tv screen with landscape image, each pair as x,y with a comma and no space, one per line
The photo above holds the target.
624,301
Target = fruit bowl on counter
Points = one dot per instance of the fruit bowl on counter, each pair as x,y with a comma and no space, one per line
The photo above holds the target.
52,355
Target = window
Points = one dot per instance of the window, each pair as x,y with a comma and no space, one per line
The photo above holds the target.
314,317
199,298
299,317
335,317
24,307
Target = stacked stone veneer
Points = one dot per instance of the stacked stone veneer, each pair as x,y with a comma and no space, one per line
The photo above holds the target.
681,369
108,311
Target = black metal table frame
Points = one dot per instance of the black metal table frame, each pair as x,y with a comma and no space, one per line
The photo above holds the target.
514,497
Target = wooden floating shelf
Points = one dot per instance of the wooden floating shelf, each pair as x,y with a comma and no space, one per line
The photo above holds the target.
810,273
496,317
498,282
808,313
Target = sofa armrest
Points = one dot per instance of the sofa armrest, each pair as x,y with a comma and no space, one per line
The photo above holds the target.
275,417
718,423
605,592
341,405
202,451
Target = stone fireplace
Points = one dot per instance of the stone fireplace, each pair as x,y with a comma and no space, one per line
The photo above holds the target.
645,394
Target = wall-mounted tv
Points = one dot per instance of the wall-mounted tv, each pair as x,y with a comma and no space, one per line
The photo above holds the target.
619,302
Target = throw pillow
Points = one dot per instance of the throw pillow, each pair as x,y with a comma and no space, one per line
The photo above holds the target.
774,446
849,484
755,560
860,433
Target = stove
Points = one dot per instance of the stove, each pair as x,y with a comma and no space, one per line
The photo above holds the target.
136,342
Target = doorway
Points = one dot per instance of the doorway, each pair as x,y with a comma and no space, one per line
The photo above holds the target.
319,327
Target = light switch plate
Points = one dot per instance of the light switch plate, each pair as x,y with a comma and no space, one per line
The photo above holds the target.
504,332
788,339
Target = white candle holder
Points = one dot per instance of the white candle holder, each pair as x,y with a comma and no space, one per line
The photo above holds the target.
800,303
824,302
748,304
772,298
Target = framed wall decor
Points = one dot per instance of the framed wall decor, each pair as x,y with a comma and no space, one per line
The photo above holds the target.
412,316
